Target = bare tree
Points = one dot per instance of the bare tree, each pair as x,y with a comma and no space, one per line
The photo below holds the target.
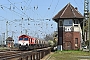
48,37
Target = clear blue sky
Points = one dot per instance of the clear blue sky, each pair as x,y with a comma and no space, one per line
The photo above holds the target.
37,10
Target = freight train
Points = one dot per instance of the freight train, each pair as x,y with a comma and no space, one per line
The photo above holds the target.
27,43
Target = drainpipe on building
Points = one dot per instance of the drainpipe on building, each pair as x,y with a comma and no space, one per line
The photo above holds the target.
60,37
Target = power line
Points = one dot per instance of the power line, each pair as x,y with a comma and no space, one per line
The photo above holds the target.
77,5
50,5
4,18
55,7
48,8
18,13
11,10
28,4
18,8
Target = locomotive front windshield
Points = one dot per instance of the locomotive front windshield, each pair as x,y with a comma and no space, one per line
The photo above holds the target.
25,39
20,38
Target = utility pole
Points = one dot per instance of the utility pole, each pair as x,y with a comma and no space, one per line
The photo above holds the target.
86,21
26,31
6,29
3,38
89,24
21,25
86,16
13,34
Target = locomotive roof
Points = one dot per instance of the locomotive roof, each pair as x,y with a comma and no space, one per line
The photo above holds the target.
24,35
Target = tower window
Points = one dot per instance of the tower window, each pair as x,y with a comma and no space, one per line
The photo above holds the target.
76,40
60,23
75,21
68,22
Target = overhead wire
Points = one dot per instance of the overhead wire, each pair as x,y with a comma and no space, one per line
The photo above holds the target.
12,10
48,8
41,19
51,25
55,7
29,3
4,18
78,5
33,10
19,14
26,5
19,9
48,18
29,6
50,5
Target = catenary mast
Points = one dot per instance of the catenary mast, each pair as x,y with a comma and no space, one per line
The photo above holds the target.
86,22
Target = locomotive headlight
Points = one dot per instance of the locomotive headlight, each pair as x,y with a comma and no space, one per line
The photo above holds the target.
20,45
26,45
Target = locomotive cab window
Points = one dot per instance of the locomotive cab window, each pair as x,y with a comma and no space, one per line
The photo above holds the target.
25,39
20,38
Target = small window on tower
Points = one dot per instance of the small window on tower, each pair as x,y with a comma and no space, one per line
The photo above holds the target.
76,42
60,23
65,29
75,21
70,21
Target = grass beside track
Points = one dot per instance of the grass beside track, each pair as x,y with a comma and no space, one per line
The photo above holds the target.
3,48
70,55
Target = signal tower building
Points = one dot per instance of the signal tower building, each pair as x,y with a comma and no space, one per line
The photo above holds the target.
70,23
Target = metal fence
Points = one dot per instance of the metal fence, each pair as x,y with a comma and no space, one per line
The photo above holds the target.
31,55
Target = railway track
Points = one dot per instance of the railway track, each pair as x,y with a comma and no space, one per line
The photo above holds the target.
9,54
24,55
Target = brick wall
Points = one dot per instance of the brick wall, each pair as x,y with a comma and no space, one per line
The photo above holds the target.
69,40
